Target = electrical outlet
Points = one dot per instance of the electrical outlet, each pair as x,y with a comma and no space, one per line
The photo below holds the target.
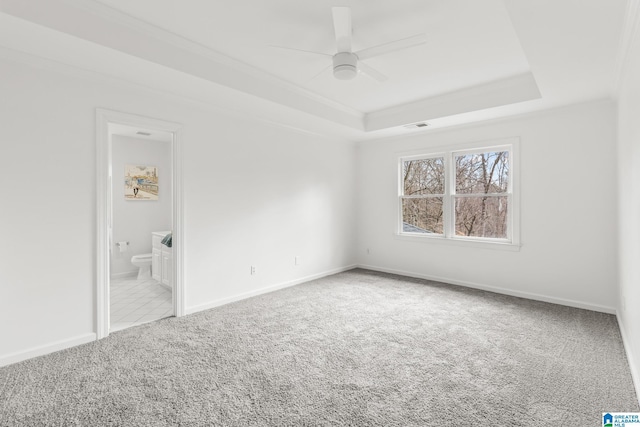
297,260
253,270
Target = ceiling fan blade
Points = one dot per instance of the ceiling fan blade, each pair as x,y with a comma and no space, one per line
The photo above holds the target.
371,72
389,47
321,71
301,50
342,27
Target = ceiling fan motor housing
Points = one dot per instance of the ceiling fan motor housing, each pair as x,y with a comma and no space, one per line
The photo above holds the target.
345,65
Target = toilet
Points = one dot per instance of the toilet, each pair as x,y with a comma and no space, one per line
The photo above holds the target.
143,262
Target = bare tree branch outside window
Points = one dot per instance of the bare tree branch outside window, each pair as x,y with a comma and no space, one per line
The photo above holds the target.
423,177
481,201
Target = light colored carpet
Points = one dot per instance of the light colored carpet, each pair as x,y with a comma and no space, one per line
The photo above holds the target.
358,348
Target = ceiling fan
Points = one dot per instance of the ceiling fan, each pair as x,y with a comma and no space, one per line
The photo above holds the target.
346,63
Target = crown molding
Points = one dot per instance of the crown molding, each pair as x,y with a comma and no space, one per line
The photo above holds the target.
506,91
541,112
629,29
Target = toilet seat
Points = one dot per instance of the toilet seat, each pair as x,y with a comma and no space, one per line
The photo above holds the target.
141,257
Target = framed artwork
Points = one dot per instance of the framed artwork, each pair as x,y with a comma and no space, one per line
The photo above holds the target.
140,182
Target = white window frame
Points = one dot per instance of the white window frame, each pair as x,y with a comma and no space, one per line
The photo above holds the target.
443,155
512,242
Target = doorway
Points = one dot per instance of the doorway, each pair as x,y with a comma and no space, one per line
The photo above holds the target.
134,186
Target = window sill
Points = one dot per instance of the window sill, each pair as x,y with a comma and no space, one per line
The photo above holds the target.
469,243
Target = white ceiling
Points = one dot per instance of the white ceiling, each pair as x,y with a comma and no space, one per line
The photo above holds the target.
469,42
482,59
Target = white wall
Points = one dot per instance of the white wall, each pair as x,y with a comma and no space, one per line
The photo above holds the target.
135,220
568,210
629,205
253,194
256,194
261,200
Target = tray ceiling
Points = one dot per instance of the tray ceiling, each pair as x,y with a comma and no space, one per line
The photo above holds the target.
479,55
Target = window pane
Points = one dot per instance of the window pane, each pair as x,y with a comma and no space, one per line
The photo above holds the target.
481,216
482,173
423,176
422,215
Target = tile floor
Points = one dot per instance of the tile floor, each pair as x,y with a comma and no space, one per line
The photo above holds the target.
134,302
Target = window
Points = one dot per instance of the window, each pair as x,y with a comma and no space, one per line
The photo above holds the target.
459,194
423,195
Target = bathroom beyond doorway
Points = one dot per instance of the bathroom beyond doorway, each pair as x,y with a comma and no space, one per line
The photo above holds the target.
111,175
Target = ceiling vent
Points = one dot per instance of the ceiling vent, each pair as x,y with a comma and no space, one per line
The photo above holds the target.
419,125
143,133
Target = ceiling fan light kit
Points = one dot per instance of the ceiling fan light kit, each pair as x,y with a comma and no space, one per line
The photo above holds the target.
345,65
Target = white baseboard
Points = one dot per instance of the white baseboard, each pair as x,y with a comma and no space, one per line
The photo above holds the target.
635,375
133,273
497,290
265,290
46,349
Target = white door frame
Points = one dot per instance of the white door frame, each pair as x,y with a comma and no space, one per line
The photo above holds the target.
104,212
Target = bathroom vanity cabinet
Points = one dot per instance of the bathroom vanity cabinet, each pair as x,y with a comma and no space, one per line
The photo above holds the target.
162,259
